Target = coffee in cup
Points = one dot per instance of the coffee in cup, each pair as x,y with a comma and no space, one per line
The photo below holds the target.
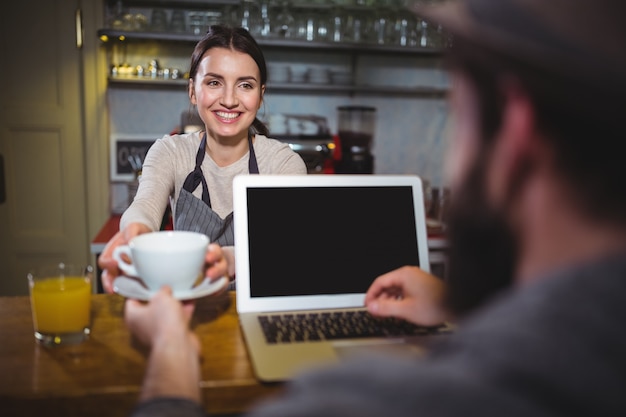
174,258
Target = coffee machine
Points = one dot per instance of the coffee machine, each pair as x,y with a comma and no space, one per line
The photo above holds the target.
309,136
356,126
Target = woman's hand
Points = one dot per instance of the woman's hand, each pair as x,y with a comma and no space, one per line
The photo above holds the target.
220,261
408,293
109,267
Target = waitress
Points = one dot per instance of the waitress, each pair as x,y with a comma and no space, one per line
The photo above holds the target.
194,172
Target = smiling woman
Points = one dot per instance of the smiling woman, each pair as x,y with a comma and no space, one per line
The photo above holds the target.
194,171
228,92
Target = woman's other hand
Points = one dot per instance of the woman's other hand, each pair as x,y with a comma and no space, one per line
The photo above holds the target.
220,262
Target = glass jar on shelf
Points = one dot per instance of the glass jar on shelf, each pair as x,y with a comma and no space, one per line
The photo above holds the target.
282,21
358,26
337,24
383,25
306,24
323,28
265,10
405,28
249,17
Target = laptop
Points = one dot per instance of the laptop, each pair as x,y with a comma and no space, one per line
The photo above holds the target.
307,248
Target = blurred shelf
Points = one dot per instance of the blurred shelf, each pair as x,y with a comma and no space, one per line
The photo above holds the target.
293,88
416,91
183,4
107,35
131,80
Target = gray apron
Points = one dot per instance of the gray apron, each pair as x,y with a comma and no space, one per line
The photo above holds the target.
196,215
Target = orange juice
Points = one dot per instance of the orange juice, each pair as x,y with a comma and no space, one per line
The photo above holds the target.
61,305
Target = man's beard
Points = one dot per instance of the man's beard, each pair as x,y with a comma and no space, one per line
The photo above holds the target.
483,252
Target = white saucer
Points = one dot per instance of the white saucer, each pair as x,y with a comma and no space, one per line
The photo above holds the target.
133,288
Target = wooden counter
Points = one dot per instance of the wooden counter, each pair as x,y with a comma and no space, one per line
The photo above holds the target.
103,375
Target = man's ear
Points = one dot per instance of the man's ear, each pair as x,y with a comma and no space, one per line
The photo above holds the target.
516,144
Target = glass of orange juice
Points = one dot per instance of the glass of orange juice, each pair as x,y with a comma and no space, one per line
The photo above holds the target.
60,299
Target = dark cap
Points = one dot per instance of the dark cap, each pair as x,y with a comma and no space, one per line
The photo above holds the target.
584,40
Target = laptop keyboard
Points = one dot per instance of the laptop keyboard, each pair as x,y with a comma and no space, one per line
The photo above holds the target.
293,328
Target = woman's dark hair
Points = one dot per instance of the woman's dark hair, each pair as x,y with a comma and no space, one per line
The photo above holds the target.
581,122
236,39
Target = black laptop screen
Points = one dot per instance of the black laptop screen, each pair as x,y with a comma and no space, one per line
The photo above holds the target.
328,240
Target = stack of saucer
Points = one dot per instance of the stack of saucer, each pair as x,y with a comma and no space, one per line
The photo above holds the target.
319,75
341,77
299,73
278,73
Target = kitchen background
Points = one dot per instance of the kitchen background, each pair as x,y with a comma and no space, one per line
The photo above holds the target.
68,97
402,78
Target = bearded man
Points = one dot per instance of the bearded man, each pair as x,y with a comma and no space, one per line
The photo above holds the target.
537,279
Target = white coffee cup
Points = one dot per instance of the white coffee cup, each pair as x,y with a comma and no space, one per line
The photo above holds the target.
174,258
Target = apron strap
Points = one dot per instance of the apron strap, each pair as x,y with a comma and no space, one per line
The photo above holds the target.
253,168
196,177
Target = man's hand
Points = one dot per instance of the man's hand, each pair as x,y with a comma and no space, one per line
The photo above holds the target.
408,293
163,326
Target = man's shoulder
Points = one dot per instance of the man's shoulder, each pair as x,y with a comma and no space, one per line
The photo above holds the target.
564,296
559,332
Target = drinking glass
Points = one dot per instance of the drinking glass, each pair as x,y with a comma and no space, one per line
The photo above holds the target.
60,299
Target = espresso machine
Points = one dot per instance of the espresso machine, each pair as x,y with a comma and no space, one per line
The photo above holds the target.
356,127
309,136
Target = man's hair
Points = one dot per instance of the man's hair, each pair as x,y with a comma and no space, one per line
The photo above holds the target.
583,124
